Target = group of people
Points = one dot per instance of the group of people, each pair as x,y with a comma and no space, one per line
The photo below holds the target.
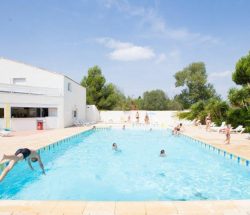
208,122
33,156
137,118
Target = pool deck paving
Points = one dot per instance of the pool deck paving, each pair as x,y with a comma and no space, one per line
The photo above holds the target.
239,146
16,207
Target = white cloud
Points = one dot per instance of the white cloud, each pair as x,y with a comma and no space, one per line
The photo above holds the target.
220,74
157,25
124,51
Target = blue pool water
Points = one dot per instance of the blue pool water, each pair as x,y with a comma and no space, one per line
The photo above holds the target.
86,168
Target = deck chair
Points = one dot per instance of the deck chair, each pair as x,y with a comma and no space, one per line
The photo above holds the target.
5,132
239,129
219,128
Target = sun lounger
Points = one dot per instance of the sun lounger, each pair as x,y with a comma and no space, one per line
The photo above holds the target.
5,132
212,124
239,129
220,128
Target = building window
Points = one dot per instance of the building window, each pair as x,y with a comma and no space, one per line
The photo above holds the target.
28,112
19,81
1,112
69,87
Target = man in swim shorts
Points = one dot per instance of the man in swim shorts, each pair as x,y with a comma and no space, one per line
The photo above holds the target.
21,154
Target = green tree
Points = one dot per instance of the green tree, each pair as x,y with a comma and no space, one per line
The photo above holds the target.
197,111
194,80
240,97
154,100
94,83
218,110
104,96
174,104
241,75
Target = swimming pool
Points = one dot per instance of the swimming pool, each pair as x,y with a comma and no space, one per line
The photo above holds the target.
86,168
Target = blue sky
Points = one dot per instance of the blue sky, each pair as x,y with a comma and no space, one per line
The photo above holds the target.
139,44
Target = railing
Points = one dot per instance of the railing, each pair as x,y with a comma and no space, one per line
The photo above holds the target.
11,88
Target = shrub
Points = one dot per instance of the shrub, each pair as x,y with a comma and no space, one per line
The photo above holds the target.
183,115
238,116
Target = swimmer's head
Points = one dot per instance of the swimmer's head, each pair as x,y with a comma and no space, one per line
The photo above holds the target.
33,159
114,146
162,153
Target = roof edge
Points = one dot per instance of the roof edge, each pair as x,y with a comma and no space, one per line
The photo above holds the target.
44,69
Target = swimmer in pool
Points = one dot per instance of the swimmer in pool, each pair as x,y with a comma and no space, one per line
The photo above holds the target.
21,154
162,153
114,147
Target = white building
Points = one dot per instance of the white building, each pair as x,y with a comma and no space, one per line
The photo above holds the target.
31,98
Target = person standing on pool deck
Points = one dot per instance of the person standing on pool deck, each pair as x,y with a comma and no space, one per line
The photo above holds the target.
228,137
146,119
208,122
137,117
21,154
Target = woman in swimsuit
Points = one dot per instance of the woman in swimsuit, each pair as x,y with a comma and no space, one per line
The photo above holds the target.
21,154
228,137
137,117
146,119
208,122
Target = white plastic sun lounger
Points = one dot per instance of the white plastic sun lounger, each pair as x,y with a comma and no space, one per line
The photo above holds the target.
239,129
216,128
5,132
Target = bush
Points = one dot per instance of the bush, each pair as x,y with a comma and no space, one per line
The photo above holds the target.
238,116
183,115
218,110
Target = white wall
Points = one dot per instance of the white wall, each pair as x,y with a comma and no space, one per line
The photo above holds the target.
26,100
51,122
26,124
23,124
34,76
92,113
74,100
161,117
